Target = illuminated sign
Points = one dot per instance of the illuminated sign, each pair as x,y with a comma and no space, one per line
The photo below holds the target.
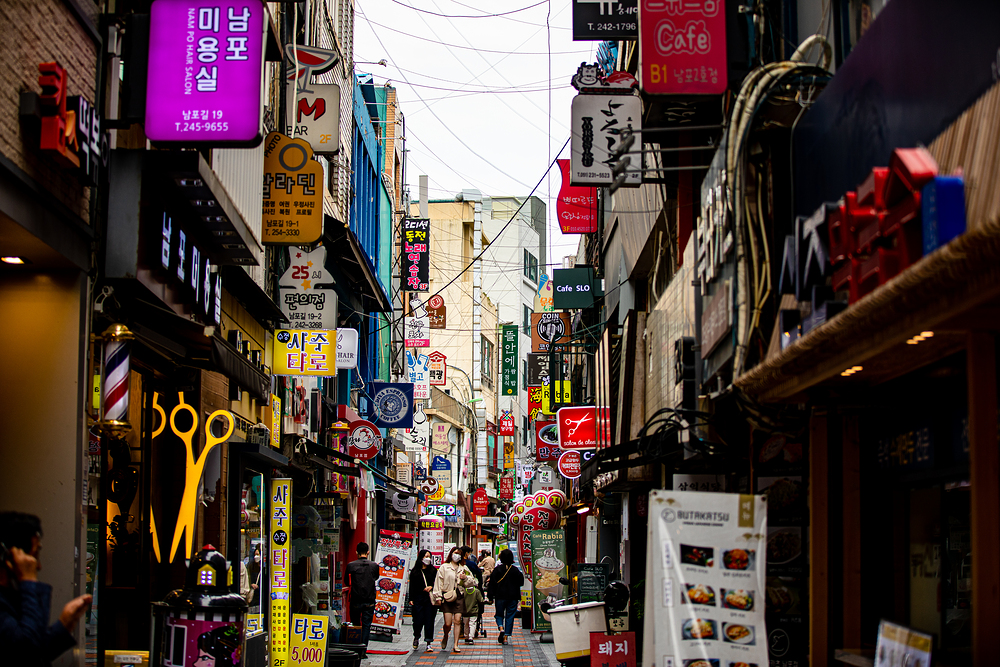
293,192
305,352
682,47
280,573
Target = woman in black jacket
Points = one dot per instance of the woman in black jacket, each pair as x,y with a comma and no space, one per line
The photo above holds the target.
424,612
505,591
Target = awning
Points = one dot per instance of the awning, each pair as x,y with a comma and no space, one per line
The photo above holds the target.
356,275
256,301
238,368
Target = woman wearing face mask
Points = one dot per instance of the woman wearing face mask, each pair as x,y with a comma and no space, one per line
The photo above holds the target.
422,578
253,569
449,587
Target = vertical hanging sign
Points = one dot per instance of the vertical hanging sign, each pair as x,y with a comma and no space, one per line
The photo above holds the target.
293,193
416,329
437,312
416,254
438,365
682,48
392,556
279,552
508,370
576,207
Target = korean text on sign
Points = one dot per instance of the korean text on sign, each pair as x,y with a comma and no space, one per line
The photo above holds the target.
305,352
280,544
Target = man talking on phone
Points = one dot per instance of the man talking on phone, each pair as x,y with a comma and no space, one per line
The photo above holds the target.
26,638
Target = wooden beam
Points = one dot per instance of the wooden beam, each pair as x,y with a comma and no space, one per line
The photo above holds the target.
984,476
851,532
819,496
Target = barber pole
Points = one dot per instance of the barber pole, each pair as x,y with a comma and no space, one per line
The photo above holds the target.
114,401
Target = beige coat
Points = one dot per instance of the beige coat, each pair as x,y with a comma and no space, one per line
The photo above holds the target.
488,564
450,577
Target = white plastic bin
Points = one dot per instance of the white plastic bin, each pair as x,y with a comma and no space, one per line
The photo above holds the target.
572,625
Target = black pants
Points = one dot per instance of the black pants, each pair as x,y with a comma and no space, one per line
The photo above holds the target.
424,616
362,615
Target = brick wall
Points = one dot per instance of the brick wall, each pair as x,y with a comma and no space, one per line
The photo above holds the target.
33,32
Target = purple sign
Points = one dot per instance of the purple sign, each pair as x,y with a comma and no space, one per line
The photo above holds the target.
205,64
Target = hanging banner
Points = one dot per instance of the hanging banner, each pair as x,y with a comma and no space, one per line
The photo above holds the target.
418,372
275,410
439,437
307,642
303,301
508,454
417,438
302,352
550,332
538,368
576,206
293,192
563,394
204,71
543,297
364,440
480,503
507,423
392,556
682,48
441,470
437,312
437,368
535,402
416,324
546,441
279,553
347,348
705,560
393,404
574,288
548,549
416,258
598,122
509,359
431,532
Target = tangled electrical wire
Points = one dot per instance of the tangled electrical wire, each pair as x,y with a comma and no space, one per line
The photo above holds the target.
660,437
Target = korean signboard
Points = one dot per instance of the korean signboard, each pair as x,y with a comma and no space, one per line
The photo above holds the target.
556,393
184,263
548,549
347,348
431,532
508,368
573,288
313,108
707,554
393,404
617,650
577,427
576,206
535,402
546,441
441,469
507,422
598,122
538,368
307,642
393,557
569,464
549,331
440,436
437,312
364,440
437,365
506,488
417,438
682,47
416,254
543,297
418,370
480,503
293,193
416,323
599,20
302,352
205,64
279,553
304,300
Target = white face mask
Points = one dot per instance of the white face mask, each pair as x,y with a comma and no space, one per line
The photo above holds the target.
427,561
456,557
256,558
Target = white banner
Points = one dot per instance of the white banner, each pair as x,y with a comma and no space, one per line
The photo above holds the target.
597,125
705,565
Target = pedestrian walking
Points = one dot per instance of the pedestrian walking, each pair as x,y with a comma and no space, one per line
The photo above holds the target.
473,618
505,591
486,564
422,578
452,579
26,638
470,562
361,577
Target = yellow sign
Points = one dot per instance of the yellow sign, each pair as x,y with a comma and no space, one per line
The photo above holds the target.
563,395
293,192
305,352
275,422
308,640
438,494
280,555
255,625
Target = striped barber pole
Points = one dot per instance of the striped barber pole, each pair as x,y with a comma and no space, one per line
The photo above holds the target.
117,350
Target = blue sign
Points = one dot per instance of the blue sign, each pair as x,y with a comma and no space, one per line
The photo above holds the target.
419,473
440,463
392,404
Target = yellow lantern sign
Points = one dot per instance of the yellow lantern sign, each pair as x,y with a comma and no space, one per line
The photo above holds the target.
293,192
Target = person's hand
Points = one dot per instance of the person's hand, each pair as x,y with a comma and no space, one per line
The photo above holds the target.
24,565
253,587
74,610
429,588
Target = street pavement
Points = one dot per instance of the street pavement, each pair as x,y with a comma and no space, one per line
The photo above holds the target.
521,650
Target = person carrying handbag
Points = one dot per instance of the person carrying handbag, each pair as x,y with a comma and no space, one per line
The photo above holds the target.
422,578
449,586
505,590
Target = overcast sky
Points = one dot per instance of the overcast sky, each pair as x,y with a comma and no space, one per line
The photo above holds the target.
476,93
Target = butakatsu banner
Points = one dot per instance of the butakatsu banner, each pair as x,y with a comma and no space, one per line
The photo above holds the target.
394,553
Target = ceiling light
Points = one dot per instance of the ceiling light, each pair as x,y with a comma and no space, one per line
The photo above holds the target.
927,334
583,510
13,260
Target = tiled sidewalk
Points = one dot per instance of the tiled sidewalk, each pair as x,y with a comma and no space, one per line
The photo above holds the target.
521,650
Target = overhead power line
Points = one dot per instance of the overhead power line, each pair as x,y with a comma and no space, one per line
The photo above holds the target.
468,16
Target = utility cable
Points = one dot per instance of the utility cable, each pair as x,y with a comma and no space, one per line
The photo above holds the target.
469,16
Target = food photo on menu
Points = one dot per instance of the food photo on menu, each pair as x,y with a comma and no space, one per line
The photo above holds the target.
784,545
737,633
702,629
700,594
737,599
700,556
702,662
738,559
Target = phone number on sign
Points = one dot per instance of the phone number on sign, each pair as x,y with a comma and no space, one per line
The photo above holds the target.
612,26
220,126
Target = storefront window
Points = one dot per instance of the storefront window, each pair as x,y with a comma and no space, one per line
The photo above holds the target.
253,551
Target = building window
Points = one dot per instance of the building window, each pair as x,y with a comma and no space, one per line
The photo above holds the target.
530,267
524,375
527,320
487,360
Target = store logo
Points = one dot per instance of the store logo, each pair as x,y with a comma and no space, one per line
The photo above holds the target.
551,329
391,404
669,515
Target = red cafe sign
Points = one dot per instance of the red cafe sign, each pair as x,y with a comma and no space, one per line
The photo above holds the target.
576,206
364,440
682,47
569,464
577,427
480,503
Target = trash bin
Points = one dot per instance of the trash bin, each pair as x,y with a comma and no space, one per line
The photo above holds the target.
572,625
342,657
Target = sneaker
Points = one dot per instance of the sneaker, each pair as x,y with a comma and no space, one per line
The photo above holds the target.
416,644
429,647
469,641
500,637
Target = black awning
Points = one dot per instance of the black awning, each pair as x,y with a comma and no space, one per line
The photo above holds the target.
239,369
259,453
239,283
352,267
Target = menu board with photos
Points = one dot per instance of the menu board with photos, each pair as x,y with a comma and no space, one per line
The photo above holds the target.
393,556
705,566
